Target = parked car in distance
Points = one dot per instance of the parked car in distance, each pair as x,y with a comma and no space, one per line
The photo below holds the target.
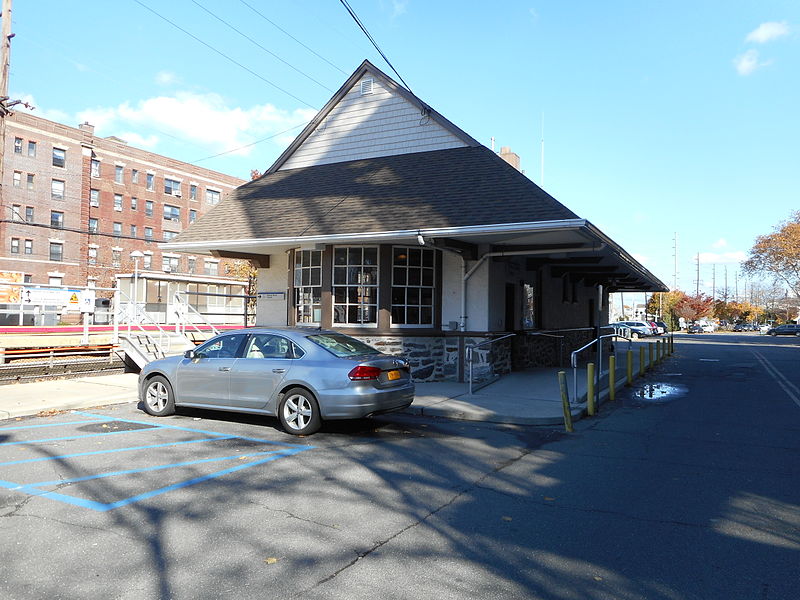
663,326
638,328
695,328
788,329
302,376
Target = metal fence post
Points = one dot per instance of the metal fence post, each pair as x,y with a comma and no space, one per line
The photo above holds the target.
630,367
590,406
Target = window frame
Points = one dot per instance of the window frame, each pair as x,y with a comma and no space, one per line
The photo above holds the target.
305,291
376,304
60,253
59,161
405,268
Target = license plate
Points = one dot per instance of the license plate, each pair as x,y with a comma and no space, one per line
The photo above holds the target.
392,375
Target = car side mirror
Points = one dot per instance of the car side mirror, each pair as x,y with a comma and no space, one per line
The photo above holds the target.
190,354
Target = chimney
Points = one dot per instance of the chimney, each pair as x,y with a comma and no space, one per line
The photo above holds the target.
87,128
510,157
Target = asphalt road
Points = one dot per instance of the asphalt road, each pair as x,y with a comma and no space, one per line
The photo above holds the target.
686,487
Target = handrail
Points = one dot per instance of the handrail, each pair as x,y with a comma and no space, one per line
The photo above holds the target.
187,306
573,358
560,339
159,344
470,353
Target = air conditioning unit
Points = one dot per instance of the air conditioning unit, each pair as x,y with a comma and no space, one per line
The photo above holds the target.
176,194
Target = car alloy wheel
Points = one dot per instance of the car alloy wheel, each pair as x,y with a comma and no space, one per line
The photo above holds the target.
158,398
299,412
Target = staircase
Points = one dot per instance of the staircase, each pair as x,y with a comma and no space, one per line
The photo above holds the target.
141,347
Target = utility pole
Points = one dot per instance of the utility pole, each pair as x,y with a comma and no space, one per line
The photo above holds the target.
713,282
697,281
675,261
5,61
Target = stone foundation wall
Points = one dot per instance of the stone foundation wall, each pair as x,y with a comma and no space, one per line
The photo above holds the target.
430,358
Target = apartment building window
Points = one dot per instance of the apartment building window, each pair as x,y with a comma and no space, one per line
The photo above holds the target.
17,179
134,176
172,187
92,256
28,246
355,286
147,261
56,251
31,149
193,192
308,286
27,278
16,212
210,268
169,264
94,198
151,182
29,182
134,203
212,196
192,216
148,208
56,219
168,235
118,202
14,245
59,157
29,214
17,145
133,231
93,223
148,233
55,280
95,168
190,264
412,286
116,258
57,189
118,174
117,229
172,213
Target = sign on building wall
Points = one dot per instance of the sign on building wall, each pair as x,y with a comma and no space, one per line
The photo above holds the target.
67,298
10,286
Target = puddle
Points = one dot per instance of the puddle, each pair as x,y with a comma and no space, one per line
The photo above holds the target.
659,392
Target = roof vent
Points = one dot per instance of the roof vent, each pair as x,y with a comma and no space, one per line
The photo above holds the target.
366,86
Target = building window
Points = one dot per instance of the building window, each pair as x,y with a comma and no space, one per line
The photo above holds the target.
17,145
118,174
28,246
117,229
118,202
355,286
28,278
412,286
133,231
55,281
308,286
172,187
192,216
16,212
92,256
29,182
168,235
116,258
56,251
17,179
212,196
172,213
29,214
95,168
94,198
148,208
134,203
147,261
192,192
57,189
93,225
190,262
210,267
148,233
14,245
134,176
56,219
32,149
169,264
59,157
151,182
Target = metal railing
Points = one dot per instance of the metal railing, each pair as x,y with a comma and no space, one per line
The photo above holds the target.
162,344
185,309
470,352
552,335
573,358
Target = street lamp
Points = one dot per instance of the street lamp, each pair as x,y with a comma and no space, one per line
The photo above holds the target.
135,255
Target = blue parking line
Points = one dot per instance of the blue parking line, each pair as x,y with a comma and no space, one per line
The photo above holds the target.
71,437
110,450
2,429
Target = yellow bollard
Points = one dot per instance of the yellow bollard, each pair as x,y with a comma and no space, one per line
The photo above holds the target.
590,407
650,355
612,378
562,383
630,367
641,361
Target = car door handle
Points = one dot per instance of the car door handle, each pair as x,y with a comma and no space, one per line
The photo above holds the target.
279,370
224,368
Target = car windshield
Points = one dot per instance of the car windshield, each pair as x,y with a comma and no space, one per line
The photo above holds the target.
342,345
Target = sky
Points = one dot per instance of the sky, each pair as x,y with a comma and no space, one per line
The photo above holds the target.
659,121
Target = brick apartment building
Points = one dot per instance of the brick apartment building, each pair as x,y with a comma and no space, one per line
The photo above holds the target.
74,206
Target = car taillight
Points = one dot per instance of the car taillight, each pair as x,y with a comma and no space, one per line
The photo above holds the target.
361,373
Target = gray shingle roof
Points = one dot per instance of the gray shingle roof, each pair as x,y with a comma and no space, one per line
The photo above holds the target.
443,188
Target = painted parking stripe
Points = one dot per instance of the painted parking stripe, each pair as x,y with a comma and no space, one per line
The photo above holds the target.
791,389
69,437
2,429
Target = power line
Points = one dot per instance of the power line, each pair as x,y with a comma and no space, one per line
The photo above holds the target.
250,144
222,54
274,24
268,51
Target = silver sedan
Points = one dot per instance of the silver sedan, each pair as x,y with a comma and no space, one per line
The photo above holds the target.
302,376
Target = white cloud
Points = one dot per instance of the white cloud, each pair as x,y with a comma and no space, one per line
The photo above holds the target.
748,62
766,32
203,119
399,7
166,78
735,256
720,243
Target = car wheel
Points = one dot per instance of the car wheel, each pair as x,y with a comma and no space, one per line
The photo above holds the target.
635,335
159,400
773,334
299,412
